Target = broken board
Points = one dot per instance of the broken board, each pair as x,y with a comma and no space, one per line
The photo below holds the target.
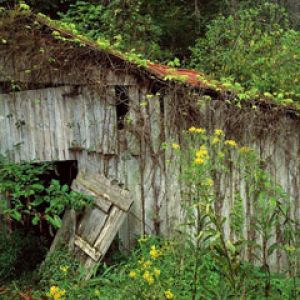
100,223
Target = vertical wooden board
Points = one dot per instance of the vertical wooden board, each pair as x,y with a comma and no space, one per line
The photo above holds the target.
14,138
53,142
63,147
22,124
100,115
132,140
86,122
91,225
8,130
56,97
155,122
44,135
110,122
90,108
98,106
135,217
3,127
43,123
32,103
172,165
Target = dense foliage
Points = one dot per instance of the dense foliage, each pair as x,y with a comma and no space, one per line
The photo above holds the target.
29,199
256,47
244,43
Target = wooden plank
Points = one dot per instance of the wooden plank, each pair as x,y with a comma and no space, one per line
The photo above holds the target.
87,248
91,224
100,202
101,186
115,219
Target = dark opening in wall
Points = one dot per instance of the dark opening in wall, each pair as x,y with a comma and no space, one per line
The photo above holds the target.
65,171
122,104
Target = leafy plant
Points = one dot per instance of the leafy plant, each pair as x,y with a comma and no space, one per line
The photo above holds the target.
28,199
249,46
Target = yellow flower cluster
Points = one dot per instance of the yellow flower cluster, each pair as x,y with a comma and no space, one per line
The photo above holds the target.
148,277
215,140
175,146
201,155
154,253
231,143
132,274
56,293
169,294
218,132
197,130
156,272
145,264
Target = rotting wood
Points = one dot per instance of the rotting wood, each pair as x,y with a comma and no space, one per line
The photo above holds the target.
92,236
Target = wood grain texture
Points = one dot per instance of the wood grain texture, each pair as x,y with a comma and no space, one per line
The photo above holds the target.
53,124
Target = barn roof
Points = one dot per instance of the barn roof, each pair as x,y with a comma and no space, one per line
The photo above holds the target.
57,30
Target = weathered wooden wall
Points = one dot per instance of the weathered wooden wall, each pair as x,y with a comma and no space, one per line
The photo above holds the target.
56,124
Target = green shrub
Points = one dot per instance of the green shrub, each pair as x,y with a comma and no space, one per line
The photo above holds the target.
256,48
32,200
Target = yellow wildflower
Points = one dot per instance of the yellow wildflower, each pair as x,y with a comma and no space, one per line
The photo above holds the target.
209,182
200,130
231,143
156,272
56,293
132,274
147,264
192,129
148,277
215,140
175,146
199,161
64,269
218,132
201,155
169,294
245,149
154,253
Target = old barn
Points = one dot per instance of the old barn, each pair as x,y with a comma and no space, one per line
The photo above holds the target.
66,99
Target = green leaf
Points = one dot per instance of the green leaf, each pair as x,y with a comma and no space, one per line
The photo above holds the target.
16,215
36,219
55,221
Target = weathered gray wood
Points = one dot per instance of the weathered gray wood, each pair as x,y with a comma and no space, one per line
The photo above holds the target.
91,225
101,221
101,186
87,248
114,221
65,236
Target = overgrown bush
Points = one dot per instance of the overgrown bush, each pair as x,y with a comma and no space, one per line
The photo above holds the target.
160,269
254,47
30,200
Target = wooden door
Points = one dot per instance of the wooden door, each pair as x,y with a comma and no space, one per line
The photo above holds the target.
98,226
